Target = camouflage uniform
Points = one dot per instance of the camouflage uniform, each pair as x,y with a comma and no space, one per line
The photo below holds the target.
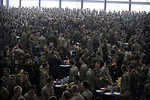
44,74
73,71
29,96
83,71
77,97
125,82
87,95
47,92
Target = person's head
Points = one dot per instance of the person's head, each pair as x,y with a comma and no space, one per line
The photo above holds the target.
52,98
92,66
71,62
66,95
108,63
74,89
98,53
97,65
25,76
17,90
12,79
6,72
82,60
51,44
124,68
85,85
33,89
76,79
50,81
46,65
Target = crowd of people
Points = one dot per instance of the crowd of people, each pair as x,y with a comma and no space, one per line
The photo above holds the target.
101,47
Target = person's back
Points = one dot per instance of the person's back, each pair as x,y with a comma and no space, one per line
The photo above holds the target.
83,69
76,94
73,71
78,97
87,95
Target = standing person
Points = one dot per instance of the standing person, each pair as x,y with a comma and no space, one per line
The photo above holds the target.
90,44
42,42
106,73
24,40
61,40
31,94
12,84
86,93
13,39
6,76
17,94
73,71
76,81
25,84
66,95
125,80
83,69
48,91
134,76
98,80
4,93
75,92
44,74
89,77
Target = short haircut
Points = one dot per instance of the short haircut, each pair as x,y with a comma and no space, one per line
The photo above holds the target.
50,79
124,67
13,76
83,59
77,77
85,84
98,53
17,87
74,88
44,65
52,98
26,73
67,94
7,69
33,86
108,62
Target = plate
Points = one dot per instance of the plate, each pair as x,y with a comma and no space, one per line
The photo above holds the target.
116,93
107,93
99,90
57,85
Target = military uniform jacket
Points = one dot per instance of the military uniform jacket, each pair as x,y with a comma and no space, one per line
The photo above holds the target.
47,92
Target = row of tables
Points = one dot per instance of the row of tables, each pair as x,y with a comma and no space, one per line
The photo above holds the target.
107,93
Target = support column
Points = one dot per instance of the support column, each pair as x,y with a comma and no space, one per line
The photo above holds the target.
59,3
39,4
105,4
7,3
81,4
129,5
20,3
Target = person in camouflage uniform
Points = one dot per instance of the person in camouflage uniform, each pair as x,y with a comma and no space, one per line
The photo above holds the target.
48,91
